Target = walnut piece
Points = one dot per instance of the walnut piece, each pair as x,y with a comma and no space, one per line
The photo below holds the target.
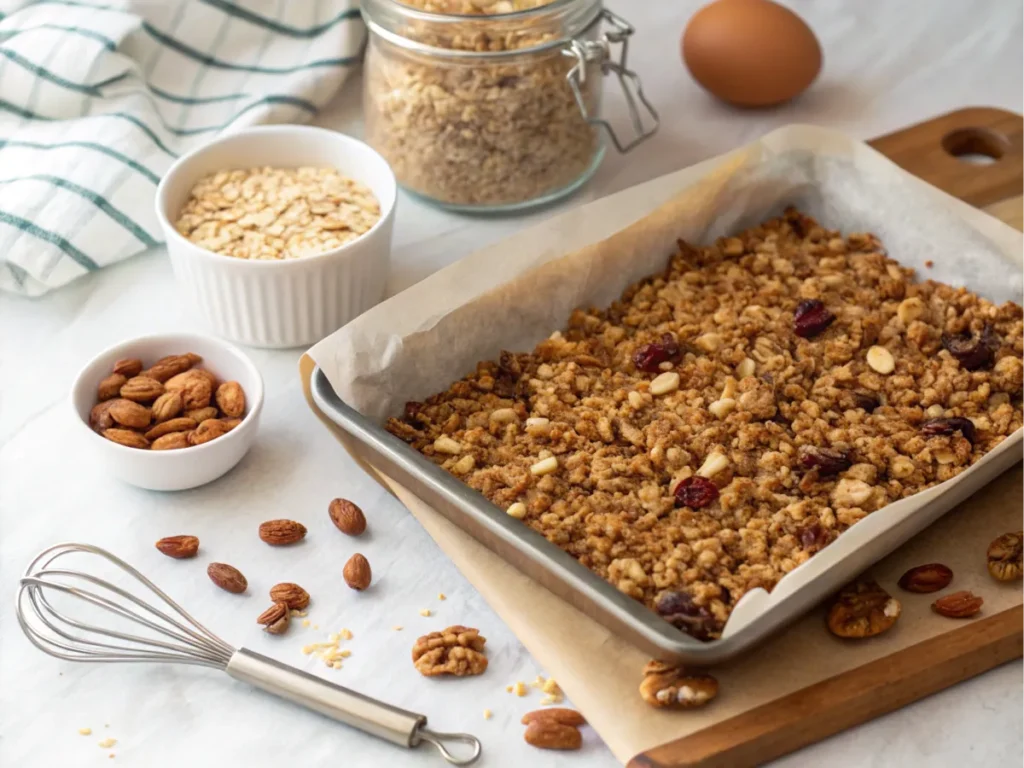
1005,555
863,609
456,651
673,687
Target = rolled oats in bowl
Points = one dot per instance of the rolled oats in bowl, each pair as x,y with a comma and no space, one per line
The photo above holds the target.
277,213
488,104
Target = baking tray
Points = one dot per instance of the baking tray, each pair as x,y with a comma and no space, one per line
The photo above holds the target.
559,572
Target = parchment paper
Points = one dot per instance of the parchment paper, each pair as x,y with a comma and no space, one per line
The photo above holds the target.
517,292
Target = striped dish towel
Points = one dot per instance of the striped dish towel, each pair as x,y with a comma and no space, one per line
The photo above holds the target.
98,99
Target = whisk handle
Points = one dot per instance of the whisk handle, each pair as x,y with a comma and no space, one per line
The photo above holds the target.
374,717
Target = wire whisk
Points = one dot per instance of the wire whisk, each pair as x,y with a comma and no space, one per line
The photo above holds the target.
176,637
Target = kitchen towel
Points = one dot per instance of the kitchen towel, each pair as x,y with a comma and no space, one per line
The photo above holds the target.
97,99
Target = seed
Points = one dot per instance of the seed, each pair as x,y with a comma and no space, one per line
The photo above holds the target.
881,360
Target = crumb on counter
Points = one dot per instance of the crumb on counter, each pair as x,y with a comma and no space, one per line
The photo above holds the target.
107,743
425,612
487,714
85,731
440,596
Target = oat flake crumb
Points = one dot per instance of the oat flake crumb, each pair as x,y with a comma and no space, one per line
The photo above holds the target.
85,731
108,743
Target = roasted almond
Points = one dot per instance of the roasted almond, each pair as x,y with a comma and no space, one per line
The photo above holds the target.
958,605
347,517
357,572
926,578
168,406
275,619
550,735
128,367
110,386
171,442
180,381
126,437
100,418
230,424
561,715
130,414
231,399
181,424
208,430
179,547
294,596
282,532
202,414
196,393
142,389
227,577
167,367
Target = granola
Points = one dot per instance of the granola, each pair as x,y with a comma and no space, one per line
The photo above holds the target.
575,440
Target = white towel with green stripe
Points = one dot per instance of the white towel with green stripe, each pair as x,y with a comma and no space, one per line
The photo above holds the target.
98,99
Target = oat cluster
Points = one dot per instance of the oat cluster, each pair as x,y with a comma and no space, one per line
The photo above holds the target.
724,421
277,213
477,131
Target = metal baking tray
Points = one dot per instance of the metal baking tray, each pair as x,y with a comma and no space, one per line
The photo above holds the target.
559,572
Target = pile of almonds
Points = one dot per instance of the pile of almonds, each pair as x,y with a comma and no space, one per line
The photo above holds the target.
172,404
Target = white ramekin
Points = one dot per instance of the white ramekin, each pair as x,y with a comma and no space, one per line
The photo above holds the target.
288,303
181,468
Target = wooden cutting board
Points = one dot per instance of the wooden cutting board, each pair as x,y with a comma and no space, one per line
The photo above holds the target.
935,151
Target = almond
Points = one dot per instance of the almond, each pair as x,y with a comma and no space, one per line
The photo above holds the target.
182,424
128,367
196,393
230,423
294,596
100,418
357,572
561,715
202,414
180,381
167,367
126,437
281,532
227,577
549,735
275,619
347,517
171,442
111,386
130,414
142,389
169,405
179,547
231,399
208,430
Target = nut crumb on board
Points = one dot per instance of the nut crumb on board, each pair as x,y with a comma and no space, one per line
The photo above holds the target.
815,439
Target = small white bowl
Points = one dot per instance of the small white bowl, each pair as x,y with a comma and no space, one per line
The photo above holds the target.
293,302
182,468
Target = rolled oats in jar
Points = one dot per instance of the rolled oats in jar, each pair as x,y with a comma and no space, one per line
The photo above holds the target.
493,104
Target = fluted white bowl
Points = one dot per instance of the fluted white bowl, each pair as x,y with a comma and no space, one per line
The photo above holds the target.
181,468
286,303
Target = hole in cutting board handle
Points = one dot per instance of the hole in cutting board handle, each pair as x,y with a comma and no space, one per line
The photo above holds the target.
977,146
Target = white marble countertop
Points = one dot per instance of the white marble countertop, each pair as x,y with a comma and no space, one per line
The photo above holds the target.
886,65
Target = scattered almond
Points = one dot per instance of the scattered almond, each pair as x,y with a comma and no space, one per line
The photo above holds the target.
280,533
179,547
275,619
347,517
227,577
357,572
292,595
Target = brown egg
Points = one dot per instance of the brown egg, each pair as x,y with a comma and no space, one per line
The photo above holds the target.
752,53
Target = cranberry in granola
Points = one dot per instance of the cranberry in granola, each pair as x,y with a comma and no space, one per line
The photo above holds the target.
751,393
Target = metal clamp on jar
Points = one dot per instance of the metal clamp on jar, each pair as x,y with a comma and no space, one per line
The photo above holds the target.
496,111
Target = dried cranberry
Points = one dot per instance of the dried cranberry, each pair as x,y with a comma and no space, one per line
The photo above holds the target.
649,356
866,400
412,413
679,610
973,352
949,426
811,318
815,538
825,460
695,492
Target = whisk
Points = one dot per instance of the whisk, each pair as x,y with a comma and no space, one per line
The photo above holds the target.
180,639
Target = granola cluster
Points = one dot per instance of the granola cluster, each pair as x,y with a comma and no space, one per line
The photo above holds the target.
723,421
479,131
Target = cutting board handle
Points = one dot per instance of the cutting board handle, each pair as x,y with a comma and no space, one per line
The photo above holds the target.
933,151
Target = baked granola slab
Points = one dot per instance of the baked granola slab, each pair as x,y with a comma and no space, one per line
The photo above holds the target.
728,418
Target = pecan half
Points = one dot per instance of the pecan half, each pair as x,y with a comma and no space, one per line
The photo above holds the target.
958,605
550,735
280,533
292,595
863,609
926,578
673,687
179,547
456,651
1004,556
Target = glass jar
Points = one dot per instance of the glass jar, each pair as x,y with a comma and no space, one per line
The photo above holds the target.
496,109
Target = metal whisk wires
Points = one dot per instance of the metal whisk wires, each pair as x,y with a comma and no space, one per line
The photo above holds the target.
176,639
